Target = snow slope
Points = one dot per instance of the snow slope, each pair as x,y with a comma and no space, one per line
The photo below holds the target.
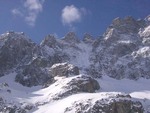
42,98
61,105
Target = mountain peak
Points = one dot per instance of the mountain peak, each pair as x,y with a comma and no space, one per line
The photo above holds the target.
71,38
49,40
11,35
88,38
126,25
147,19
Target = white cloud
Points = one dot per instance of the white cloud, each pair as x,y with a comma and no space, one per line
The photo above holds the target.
72,14
30,10
34,7
16,12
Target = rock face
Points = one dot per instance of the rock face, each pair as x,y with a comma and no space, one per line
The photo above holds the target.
15,50
123,52
34,73
64,69
108,105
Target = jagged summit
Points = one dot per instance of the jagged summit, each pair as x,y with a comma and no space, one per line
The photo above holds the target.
12,35
147,19
127,24
71,38
49,40
87,38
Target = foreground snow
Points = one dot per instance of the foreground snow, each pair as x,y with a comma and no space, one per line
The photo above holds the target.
139,90
61,105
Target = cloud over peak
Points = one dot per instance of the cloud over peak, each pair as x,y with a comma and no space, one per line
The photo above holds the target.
34,7
71,14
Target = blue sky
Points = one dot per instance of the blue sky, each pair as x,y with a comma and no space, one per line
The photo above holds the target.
38,18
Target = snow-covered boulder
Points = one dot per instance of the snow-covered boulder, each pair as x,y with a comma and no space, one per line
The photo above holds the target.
83,84
64,69
73,85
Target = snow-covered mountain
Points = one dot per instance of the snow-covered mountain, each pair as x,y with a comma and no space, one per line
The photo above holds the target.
109,74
